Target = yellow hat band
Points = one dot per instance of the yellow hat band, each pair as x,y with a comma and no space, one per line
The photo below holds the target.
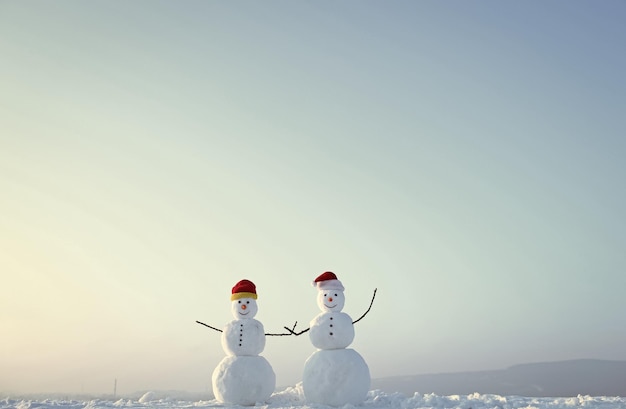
237,296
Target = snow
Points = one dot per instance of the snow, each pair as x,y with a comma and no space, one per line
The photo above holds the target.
331,300
331,330
293,398
147,397
336,377
243,337
243,377
243,380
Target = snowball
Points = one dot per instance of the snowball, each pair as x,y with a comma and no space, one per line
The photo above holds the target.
331,330
243,337
243,380
331,300
336,377
244,308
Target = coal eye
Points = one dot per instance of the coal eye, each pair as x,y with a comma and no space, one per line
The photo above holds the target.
335,295
247,302
239,301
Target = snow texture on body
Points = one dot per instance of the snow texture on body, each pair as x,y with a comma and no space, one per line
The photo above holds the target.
243,377
243,337
331,330
293,398
243,380
336,377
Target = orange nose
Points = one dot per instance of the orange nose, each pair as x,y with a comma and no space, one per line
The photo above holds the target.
243,307
330,299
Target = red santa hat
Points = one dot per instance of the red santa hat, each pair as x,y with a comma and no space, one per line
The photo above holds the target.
328,281
243,289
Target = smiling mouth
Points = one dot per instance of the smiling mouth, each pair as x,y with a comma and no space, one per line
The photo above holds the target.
244,313
329,306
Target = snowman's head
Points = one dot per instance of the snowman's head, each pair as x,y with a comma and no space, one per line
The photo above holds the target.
244,308
331,300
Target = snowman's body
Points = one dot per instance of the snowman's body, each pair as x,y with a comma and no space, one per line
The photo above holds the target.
243,380
243,377
243,337
331,330
334,375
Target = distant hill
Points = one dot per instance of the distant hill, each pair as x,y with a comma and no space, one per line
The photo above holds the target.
549,379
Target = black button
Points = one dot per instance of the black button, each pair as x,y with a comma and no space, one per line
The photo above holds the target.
331,333
331,325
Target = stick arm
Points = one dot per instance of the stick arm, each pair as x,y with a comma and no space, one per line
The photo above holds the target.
368,309
208,326
285,334
296,333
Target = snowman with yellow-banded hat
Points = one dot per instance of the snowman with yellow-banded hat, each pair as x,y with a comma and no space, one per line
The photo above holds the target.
243,377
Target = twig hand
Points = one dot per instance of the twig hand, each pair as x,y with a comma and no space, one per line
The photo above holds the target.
292,330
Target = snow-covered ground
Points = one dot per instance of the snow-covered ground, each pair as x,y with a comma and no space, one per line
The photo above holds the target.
293,398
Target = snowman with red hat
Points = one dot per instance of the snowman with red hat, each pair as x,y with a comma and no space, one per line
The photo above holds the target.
243,377
334,374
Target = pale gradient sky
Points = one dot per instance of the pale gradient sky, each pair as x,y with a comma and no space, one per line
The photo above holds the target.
465,158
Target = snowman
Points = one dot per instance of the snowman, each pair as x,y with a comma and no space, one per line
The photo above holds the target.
243,377
334,374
